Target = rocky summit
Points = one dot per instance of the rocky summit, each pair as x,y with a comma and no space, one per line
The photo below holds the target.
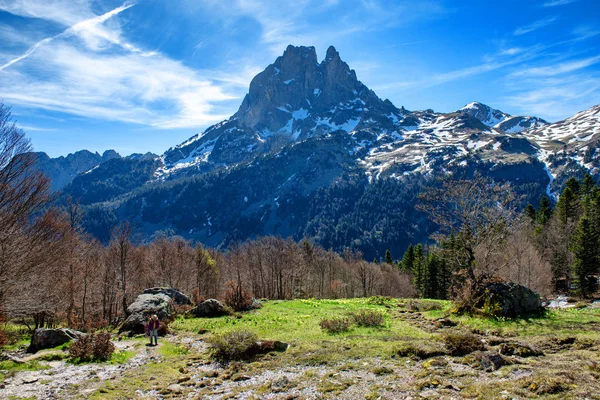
309,135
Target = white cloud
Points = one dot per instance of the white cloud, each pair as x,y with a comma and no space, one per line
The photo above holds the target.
64,12
91,70
534,26
559,68
554,3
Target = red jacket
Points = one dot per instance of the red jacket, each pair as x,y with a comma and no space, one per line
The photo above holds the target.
153,324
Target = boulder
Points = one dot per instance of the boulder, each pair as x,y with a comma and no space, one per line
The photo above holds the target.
511,300
210,308
142,308
178,297
50,338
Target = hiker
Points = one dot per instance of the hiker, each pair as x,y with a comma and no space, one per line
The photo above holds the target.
153,325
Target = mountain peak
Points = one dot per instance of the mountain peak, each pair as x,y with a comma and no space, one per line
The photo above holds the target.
486,114
295,85
331,54
296,53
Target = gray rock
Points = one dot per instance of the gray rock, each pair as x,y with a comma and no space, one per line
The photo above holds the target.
210,308
280,383
175,388
142,308
511,300
49,338
178,297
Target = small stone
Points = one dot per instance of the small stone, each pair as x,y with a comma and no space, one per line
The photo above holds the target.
175,388
280,383
27,381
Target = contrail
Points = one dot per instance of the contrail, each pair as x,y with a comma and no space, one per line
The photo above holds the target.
78,27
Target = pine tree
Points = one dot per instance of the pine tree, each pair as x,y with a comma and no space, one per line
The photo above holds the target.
567,205
573,184
418,269
545,211
530,212
587,185
585,247
388,257
408,259
431,285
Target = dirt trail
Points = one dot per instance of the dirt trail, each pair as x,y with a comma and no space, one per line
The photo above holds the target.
60,377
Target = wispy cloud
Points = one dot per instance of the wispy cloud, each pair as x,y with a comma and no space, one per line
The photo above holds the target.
534,26
554,3
87,28
555,97
90,70
558,68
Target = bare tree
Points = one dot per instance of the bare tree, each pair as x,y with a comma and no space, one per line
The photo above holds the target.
121,248
475,218
31,241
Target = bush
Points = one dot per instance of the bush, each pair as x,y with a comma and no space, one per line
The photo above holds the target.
82,349
237,345
92,347
368,318
462,344
336,325
103,348
237,298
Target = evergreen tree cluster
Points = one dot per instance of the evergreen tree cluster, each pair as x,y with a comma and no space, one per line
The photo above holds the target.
431,273
570,235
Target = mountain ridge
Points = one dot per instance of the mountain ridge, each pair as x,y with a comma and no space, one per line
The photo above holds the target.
308,132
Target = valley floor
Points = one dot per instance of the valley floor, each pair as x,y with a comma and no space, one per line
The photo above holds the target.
557,356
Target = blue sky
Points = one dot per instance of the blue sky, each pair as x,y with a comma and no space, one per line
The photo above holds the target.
145,75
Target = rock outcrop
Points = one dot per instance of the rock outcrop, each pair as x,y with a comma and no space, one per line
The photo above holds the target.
210,308
152,301
511,300
50,338
178,297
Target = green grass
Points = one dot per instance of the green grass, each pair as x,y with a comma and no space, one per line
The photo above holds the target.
121,357
297,322
558,322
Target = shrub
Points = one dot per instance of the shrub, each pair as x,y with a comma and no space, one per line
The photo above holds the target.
459,344
92,347
236,345
336,325
82,349
103,348
237,298
368,318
